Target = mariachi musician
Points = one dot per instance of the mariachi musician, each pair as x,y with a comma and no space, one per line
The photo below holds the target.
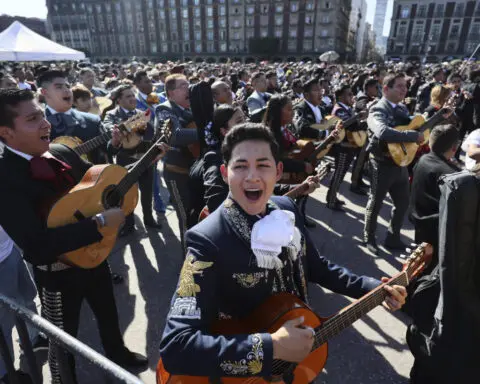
344,151
34,176
180,158
124,97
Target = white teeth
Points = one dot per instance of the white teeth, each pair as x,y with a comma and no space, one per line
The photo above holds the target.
253,190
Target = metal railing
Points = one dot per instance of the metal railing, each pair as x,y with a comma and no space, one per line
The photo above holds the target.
60,341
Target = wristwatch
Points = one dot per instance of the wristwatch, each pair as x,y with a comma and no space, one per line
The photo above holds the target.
100,219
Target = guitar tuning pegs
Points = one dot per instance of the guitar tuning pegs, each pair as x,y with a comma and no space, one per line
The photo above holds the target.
402,256
408,250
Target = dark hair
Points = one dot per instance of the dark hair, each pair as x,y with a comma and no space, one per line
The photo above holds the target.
118,91
222,114
83,71
271,74
473,74
256,76
9,99
139,75
443,138
248,131
436,71
171,82
81,92
273,115
341,89
307,87
369,83
297,83
391,78
48,76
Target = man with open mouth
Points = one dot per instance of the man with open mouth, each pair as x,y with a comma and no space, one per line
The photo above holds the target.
253,246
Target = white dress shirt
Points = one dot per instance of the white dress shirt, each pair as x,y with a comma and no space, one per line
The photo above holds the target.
53,112
6,245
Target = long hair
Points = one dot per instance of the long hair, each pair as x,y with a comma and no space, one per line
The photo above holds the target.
222,114
439,95
273,115
201,104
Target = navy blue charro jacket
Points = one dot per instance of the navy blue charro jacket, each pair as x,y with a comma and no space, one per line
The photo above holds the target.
221,280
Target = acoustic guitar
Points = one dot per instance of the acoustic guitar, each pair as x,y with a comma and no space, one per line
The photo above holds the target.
102,187
293,193
404,153
280,308
132,127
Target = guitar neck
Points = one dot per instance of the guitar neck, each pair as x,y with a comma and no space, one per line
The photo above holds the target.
347,316
92,144
434,120
134,173
297,191
322,146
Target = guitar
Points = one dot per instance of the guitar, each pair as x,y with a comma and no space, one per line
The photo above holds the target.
404,153
102,187
133,127
293,193
280,308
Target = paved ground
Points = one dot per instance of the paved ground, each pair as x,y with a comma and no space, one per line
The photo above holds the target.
372,351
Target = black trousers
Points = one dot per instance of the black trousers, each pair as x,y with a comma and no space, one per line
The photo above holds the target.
145,184
359,166
386,177
343,158
62,294
178,187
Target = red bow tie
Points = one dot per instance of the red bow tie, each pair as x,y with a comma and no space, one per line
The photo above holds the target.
49,168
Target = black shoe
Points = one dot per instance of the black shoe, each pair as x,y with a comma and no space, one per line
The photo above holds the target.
339,202
395,244
359,191
40,343
150,222
127,230
310,223
371,246
336,207
117,279
131,360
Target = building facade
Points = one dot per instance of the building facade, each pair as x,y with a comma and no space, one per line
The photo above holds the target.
201,29
36,25
356,31
434,31
379,23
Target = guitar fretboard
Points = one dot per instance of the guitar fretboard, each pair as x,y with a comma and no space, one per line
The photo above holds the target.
92,144
355,311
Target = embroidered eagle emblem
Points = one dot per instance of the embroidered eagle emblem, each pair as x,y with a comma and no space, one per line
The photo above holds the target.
187,286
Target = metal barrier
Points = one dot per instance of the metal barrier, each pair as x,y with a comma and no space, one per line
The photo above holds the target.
61,341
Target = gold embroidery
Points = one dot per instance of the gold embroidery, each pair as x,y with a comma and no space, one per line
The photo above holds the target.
248,280
224,316
252,364
187,286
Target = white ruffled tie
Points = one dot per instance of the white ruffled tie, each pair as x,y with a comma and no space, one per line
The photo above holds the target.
270,234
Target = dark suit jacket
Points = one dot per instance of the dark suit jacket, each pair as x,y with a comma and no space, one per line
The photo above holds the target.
221,280
20,199
182,137
304,117
83,125
425,195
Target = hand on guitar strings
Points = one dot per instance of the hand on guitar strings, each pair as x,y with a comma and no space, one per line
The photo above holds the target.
293,341
396,298
308,168
338,128
313,183
164,148
118,136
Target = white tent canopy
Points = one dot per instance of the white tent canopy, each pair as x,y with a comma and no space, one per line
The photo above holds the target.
19,43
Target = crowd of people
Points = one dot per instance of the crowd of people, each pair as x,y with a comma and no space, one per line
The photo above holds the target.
240,136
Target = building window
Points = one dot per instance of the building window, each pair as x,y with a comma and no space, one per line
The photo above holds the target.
422,11
223,47
185,13
264,32
223,34
440,10
198,35
308,20
196,12
198,23
250,33
310,6
210,35
249,22
210,47
308,32
264,9
278,33
307,45
292,45
293,7
236,36
186,47
250,10
222,22
328,5
198,47
324,32
236,23
209,23
209,11
279,8
402,31
278,20
185,3
405,13
175,48
162,14
153,47
459,10
293,32
173,3
173,14
222,10
454,31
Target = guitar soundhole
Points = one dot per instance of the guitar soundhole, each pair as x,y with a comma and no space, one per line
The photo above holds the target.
110,198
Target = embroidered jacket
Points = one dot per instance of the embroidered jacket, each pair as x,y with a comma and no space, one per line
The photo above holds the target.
220,279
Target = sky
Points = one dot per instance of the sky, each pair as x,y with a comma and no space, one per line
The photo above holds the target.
37,8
